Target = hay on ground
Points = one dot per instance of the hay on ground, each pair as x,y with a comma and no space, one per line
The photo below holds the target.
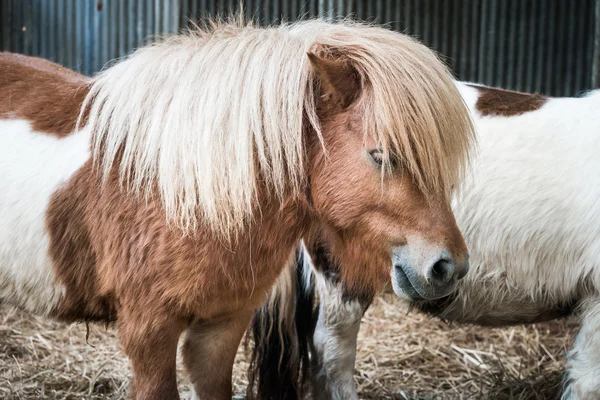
401,356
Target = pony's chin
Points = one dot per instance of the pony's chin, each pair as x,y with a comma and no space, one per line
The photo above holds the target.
411,297
433,307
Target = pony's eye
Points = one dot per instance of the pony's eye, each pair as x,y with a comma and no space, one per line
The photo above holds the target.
376,156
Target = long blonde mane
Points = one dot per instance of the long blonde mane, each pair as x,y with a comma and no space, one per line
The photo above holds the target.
199,115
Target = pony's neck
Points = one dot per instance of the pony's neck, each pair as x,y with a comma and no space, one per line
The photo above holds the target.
285,221
261,251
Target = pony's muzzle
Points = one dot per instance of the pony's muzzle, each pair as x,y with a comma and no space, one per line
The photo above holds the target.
428,280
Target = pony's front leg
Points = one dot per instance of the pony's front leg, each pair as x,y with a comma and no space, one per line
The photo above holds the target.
208,354
334,340
151,345
583,365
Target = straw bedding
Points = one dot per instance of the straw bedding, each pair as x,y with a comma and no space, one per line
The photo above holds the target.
402,355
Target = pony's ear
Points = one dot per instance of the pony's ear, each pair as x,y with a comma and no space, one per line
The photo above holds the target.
340,82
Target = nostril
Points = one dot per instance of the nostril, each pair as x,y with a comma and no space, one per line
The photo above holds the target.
442,271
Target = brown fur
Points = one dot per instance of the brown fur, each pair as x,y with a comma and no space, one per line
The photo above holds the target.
359,233
72,249
340,82
157,280
507,103
42,92
212,341
125,234
118,258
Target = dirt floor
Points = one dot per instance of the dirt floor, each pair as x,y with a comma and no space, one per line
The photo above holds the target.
401,356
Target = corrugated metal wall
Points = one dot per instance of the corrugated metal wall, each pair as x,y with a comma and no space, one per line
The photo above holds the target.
549,46
83,34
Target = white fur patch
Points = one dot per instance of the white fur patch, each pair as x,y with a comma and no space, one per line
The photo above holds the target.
469,94
194,395
32,166
335,342
530,211
583,367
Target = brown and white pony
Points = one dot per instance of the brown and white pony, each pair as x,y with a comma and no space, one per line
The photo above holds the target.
168,192
530,214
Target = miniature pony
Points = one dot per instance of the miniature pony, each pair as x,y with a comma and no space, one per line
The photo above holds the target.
167,193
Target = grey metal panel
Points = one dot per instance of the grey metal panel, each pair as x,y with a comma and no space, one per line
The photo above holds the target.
596,52
541,45
550,46
83,35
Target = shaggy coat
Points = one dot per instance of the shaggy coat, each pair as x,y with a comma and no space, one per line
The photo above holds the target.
167,193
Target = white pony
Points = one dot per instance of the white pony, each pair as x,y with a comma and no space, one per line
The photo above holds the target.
530,214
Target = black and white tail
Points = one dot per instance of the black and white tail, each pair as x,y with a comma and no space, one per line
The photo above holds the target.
282,331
